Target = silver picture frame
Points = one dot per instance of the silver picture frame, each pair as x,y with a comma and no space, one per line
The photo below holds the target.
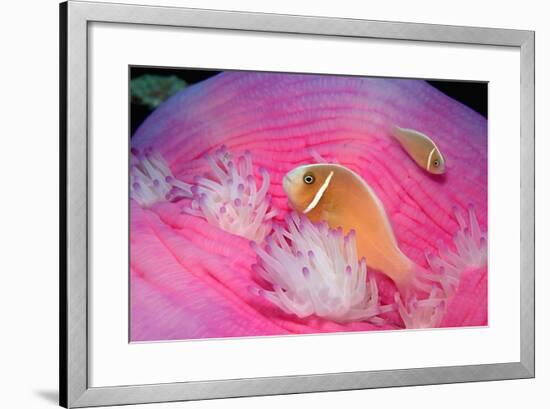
75,16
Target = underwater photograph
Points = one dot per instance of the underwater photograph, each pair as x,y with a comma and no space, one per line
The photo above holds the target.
270,204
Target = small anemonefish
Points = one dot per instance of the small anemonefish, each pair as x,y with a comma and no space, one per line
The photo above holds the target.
337,195
421,149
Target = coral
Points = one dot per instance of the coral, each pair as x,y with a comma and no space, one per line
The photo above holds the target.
152,90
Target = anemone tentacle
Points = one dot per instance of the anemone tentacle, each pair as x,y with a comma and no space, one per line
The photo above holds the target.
470,251
314,270
151,180
230,199
426,313
446,269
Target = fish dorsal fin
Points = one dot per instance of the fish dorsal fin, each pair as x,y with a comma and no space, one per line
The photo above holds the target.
411,137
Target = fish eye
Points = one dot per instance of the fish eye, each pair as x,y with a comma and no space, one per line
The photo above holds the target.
436,163
309,179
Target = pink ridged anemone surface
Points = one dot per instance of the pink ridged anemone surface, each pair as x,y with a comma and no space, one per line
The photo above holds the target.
192,279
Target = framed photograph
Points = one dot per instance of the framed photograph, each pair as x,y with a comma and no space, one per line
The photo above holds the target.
258,204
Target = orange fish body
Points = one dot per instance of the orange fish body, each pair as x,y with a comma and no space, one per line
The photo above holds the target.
422,149
337,195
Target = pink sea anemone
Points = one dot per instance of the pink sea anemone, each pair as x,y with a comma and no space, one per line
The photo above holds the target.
195,209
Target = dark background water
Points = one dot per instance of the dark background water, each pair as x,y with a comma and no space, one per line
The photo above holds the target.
471,93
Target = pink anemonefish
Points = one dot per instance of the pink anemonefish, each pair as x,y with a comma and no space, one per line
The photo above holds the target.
337,195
